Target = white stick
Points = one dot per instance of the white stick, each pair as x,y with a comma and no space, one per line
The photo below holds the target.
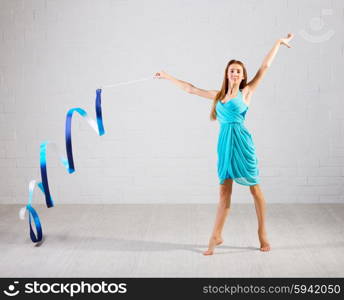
126,82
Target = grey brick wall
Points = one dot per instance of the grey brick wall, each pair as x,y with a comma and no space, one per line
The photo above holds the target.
159,144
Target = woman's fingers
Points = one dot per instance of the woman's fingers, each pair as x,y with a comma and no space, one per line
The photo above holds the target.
159,75
287,39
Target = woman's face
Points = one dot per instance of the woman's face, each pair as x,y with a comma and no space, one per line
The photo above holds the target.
235,74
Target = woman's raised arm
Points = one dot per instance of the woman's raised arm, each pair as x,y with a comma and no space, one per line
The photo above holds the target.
186,86
268,60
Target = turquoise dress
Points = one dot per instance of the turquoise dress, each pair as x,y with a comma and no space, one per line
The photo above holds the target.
236,151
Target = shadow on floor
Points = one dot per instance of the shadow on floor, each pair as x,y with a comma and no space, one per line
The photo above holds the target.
119,244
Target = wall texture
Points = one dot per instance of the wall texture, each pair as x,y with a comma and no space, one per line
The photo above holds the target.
160,145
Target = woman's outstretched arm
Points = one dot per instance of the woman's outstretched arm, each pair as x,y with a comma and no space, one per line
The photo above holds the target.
186,86
268,60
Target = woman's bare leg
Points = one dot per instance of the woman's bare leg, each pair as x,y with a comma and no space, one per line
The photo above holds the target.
221,215
259,203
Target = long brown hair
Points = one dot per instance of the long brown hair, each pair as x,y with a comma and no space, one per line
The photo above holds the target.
224,89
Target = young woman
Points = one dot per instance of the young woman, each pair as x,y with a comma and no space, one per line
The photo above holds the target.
236,151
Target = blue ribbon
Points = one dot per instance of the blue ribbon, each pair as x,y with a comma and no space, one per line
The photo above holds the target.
69,164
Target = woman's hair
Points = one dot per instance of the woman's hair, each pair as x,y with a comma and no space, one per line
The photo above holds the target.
224,89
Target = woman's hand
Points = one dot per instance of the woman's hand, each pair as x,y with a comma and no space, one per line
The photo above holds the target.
286,40
160,75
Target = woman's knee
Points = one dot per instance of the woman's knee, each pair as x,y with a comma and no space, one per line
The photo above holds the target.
225,194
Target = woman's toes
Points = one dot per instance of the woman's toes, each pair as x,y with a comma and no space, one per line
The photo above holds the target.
265,248
213,242
208,252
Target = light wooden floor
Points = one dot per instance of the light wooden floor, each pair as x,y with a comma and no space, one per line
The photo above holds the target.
166,240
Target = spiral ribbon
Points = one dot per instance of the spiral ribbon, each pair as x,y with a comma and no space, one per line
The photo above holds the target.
68,162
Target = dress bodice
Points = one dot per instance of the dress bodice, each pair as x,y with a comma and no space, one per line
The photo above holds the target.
233,111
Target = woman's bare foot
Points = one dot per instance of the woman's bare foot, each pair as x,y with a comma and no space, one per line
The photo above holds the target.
264,243
213,242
